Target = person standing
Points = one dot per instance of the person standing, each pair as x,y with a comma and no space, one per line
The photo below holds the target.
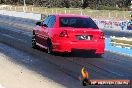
84,77
129,25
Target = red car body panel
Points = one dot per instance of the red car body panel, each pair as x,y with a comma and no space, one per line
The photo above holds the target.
69,42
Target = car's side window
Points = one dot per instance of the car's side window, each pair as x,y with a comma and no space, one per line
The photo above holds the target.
46,20
51,22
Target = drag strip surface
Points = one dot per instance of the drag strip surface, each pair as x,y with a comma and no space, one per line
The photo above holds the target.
21,70
101,65
110,66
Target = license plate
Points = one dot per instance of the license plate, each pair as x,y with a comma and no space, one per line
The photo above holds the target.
83,37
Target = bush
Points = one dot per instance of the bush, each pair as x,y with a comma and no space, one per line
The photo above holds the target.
75,4
93,4
125,9
107,8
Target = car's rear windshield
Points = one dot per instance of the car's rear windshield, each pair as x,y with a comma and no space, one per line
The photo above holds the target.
77,22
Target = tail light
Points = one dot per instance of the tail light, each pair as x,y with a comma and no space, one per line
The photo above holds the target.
102,35
63,34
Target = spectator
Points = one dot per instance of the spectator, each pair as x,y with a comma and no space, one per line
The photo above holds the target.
129,25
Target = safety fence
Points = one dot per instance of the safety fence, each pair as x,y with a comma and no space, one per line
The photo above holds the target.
96,14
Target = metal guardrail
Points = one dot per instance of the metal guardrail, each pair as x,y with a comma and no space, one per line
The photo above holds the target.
121,41
120,44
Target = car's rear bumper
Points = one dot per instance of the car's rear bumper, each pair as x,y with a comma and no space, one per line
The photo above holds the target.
67,46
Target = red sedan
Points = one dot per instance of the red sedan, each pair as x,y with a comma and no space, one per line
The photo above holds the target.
64,33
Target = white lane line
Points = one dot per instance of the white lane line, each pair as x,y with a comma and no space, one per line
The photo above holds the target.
1,86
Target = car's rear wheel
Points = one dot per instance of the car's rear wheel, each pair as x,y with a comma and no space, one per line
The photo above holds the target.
34,42
49,48
99,55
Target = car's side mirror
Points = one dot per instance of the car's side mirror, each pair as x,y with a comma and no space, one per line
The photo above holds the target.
39,23
45,25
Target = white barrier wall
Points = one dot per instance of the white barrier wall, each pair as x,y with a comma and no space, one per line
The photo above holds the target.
33,16
113,25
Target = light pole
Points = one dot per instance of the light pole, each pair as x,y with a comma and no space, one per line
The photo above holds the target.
82,2
81,8
24,8
130,8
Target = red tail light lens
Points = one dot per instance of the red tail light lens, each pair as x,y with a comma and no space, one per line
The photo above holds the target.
102,35
63,34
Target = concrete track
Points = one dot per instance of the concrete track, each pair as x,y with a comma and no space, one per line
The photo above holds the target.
109,66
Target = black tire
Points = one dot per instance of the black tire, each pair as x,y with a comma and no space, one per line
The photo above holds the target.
34,42
49,46
99,55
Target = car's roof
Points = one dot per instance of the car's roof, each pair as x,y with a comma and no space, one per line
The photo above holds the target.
70,15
